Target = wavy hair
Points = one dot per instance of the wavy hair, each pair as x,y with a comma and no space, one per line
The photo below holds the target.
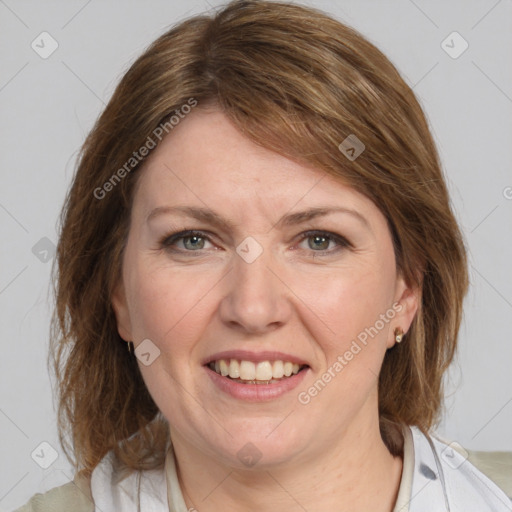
294,81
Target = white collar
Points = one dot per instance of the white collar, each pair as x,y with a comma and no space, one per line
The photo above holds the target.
141,491
443,480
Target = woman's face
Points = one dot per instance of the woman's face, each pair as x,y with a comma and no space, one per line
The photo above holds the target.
259,287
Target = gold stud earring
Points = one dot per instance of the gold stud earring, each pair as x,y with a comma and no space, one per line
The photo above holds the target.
130,347
399,334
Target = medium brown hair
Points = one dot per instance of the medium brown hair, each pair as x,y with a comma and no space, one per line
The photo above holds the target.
297,82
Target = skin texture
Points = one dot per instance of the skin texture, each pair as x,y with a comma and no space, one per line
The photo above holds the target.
327,454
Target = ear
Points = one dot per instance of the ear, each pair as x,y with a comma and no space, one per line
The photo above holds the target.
120,306
407,300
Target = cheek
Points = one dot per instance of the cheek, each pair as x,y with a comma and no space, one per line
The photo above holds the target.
352,305
165,307
167,304
347,301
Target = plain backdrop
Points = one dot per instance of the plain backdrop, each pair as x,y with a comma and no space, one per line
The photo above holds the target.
48,105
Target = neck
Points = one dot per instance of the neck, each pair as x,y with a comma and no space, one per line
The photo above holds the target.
355,472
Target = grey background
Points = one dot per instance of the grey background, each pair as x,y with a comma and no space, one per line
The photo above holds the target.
49,105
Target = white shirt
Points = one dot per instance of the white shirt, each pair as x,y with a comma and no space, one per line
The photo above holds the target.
435,478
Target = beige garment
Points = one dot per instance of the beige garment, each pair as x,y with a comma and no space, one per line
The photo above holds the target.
495,465
75,496
404,492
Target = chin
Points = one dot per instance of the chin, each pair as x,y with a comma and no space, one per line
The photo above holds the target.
258,444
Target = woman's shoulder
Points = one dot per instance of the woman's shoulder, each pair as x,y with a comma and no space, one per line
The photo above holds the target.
75,495
496,465
453,475
110,486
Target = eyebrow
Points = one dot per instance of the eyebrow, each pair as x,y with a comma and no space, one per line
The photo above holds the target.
209,216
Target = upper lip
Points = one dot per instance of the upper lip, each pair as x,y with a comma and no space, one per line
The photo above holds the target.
255,357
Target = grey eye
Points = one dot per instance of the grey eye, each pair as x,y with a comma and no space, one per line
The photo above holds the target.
196,242
319,242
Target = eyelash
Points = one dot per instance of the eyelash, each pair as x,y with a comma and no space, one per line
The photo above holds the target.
167,241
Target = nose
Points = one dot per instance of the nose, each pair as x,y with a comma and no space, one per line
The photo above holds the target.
257,299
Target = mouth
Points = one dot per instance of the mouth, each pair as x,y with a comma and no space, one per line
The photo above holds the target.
260,373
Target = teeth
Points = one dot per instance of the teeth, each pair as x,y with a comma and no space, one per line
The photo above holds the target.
247,370
234,369
264,371
277,369
224,368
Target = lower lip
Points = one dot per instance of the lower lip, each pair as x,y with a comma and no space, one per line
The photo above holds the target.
256,392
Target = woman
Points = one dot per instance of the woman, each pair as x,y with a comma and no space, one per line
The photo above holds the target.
260,282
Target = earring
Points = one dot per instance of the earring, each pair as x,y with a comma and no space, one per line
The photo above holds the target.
399,334
130,347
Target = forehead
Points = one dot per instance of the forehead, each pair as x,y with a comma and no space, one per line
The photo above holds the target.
207,162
